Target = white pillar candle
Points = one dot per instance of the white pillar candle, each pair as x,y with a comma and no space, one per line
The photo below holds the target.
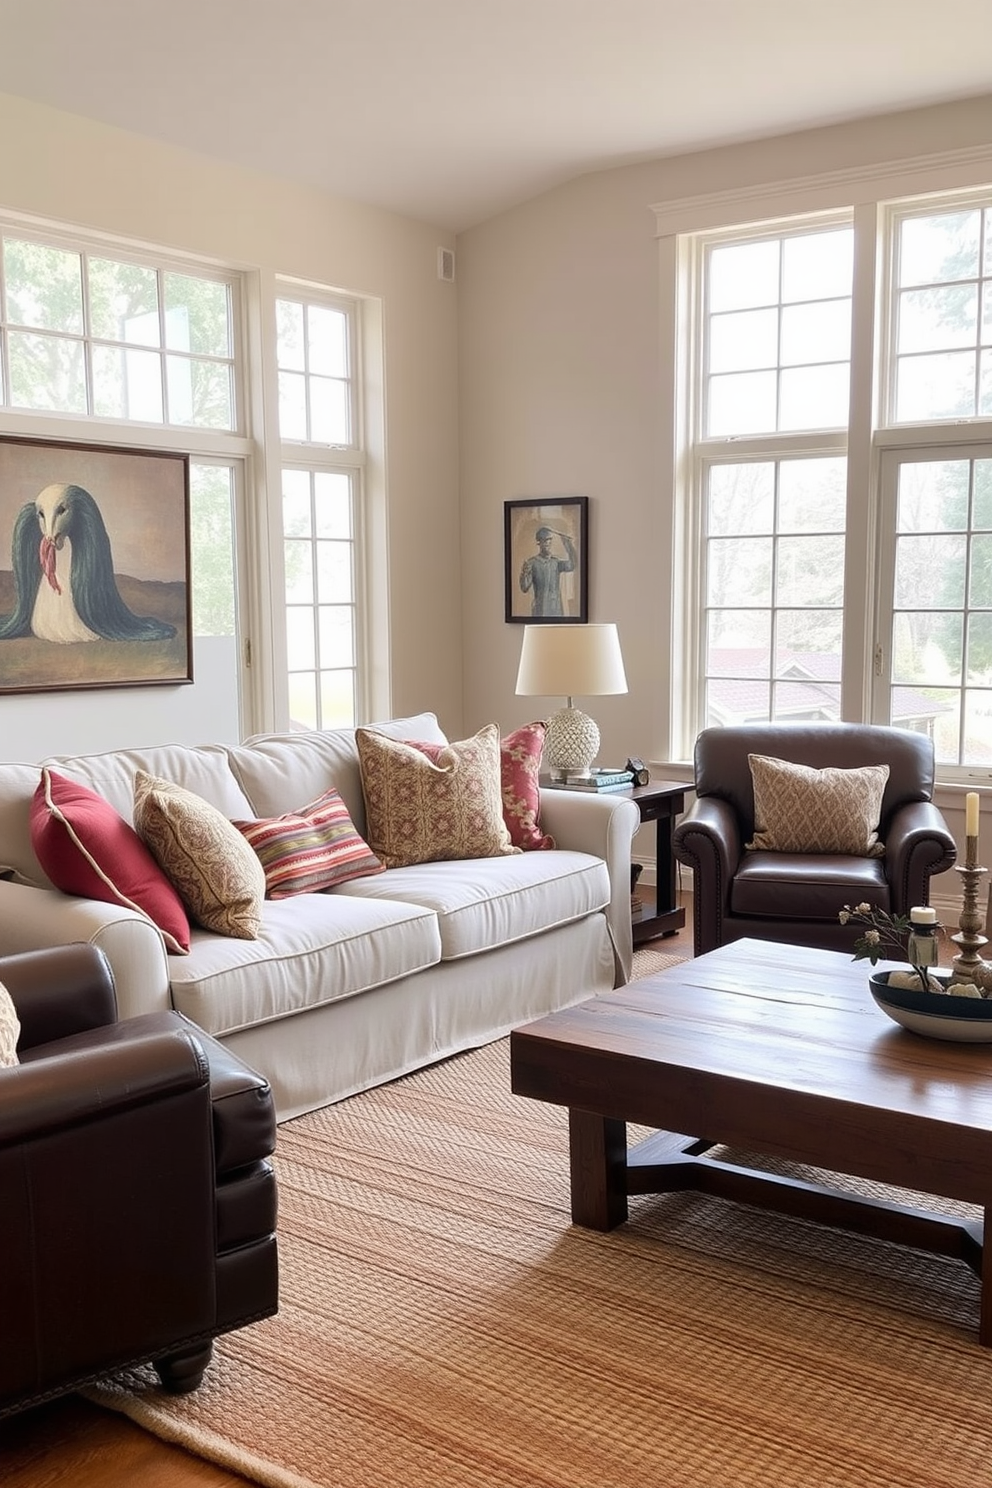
971,814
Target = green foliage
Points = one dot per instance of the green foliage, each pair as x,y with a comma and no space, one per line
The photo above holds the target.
212,543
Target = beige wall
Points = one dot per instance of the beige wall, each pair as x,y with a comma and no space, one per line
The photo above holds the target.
563,388
69,170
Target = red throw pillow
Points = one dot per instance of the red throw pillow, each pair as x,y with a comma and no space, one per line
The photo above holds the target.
306,851
520,768
86,848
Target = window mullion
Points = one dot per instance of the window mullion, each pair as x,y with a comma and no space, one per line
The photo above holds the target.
859,686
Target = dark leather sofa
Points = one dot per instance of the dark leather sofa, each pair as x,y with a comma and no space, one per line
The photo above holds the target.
137,1203
797,897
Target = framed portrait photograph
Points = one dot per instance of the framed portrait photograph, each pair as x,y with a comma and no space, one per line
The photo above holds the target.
94,566
546,560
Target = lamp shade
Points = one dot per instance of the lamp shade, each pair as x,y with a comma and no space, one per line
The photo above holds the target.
570,661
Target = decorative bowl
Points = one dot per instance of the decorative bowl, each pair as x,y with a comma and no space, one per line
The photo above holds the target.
964,1020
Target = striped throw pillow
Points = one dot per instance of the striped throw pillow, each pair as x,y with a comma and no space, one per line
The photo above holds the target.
315,848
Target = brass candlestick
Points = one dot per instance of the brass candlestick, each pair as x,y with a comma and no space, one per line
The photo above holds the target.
968,965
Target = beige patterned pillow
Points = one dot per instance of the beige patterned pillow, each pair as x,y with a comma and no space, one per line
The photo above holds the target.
802,810
213,869
422,810
10,1029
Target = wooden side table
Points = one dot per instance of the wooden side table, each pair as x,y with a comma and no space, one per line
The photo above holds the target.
661,802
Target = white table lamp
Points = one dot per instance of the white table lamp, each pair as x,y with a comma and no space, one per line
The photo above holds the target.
574,661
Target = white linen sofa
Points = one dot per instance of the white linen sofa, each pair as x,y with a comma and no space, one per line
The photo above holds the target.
379,976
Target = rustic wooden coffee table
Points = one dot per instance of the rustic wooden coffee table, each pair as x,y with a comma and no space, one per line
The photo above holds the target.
777,1050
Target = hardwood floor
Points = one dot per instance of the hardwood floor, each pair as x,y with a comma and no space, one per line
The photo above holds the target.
72,1444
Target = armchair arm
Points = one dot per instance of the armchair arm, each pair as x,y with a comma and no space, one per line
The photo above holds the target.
59,991
33,919
917,846
708,840
107,1191
67,1088
604,827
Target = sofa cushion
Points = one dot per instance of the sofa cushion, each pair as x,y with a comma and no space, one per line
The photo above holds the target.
87,848
216,873
489,902
310,950
277,771
814,886
203,769
798,809
303,852
10,1029
419,811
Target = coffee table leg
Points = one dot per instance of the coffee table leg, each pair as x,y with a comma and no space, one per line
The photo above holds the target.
985,1301
598,1167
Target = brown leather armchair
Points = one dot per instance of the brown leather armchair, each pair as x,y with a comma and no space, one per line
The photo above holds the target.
797,897
137,1205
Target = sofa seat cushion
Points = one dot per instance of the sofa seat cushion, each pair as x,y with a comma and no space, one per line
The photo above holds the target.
310,950
486,902
805,886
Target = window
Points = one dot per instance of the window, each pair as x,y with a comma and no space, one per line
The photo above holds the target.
776,316
942,314
778,333
940,617
321,489
844,543
108,337
774,589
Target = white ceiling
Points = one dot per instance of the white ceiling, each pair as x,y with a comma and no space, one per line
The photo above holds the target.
451,110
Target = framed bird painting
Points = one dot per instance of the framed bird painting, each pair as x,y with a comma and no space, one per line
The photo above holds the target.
94,566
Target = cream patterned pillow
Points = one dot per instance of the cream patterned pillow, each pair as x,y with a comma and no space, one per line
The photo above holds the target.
422,810
10,1029
213,869
801,810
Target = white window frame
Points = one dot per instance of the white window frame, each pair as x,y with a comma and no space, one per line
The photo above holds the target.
866,439
709,451
316,457
93,246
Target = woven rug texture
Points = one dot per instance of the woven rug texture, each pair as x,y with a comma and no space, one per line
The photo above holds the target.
443,1325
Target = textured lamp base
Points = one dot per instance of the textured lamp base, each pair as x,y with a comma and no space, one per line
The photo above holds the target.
570,745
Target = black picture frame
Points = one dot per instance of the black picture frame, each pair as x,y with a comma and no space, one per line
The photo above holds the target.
94,566
561,595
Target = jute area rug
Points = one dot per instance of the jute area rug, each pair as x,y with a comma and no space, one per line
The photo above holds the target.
442,1325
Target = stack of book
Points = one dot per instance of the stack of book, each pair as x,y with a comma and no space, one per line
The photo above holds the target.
599,780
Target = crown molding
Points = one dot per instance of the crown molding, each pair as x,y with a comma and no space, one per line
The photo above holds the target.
826,190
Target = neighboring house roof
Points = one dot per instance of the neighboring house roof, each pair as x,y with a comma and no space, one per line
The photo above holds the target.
814,692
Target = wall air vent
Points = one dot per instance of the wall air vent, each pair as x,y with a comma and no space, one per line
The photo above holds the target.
446,265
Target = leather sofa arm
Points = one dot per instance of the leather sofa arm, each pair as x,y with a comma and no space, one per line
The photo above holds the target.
917,846
708,840
87,1082
59,991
